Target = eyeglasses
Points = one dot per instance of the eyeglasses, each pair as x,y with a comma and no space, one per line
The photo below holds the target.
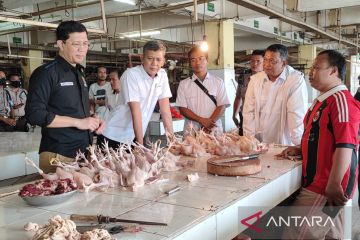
271,61
78,45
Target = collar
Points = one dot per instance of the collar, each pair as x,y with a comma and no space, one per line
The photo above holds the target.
330,92
284,74
194,77
67,66
143,69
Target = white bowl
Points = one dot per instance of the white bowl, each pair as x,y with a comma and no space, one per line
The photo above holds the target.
48,200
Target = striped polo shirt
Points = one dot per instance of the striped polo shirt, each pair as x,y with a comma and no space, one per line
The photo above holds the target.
331,122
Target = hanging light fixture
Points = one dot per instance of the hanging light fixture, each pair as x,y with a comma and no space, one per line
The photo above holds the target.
204,45
130,2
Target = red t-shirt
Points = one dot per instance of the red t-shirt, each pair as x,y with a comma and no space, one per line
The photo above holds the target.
331,122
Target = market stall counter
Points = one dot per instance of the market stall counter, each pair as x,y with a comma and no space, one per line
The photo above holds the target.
207,208
14,147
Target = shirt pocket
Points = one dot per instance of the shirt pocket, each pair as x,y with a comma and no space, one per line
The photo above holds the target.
158,90
68,92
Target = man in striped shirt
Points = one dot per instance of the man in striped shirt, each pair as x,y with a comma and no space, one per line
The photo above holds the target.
328,147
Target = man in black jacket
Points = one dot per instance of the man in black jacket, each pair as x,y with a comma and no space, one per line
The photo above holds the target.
58,99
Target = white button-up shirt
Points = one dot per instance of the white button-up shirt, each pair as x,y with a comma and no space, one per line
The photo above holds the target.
100,111
274,111
136,86
113,100
190,95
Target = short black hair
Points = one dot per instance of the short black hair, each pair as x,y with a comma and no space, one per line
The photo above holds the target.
154,46
195,49
97,69
118,71
258,52
280,49
67,27
336,59
14,75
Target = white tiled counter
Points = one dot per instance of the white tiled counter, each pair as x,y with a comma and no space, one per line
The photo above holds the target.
204,209
13,149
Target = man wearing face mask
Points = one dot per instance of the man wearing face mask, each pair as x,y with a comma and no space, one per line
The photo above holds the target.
17,100
6,123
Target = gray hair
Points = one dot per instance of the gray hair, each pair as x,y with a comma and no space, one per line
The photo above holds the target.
154,46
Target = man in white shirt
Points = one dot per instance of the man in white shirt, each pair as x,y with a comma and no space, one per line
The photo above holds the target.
256,65
6,123
97,94
113,98
276,100
17,101
200,109
141,88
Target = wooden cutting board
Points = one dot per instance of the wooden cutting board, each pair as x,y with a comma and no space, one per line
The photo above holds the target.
233,166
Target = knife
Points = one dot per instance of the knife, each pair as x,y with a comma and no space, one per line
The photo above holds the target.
106,219
236,158
112,230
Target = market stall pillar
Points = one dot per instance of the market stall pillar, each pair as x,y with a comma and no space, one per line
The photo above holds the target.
220,38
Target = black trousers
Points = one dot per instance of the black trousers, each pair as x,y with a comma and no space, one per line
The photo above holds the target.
241,131
101,140
21,126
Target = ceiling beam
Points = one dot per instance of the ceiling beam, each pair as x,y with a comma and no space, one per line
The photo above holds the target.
43,24
293,21
144,11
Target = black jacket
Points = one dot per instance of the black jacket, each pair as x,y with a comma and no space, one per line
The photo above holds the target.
58,88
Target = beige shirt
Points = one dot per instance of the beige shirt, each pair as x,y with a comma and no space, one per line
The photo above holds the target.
274,111
190,96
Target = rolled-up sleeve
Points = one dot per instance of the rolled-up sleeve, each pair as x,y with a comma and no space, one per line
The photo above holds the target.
165,87
129,87
36,108
221,96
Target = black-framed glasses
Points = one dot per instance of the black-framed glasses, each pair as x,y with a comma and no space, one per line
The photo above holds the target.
78,45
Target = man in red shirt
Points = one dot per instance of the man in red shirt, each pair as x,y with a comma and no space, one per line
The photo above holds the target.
328,146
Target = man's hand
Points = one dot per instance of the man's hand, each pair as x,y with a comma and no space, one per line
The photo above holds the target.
101,127
335,194
290,151
100,102
10,121
207,123
236,121
18,106
170,138
89,123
